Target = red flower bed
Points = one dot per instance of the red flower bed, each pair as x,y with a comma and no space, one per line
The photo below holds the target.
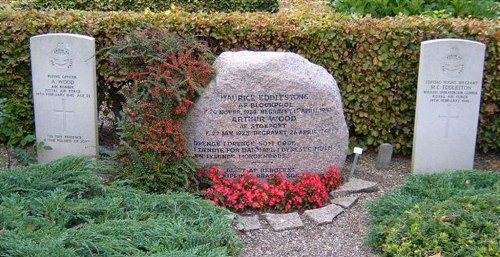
308,190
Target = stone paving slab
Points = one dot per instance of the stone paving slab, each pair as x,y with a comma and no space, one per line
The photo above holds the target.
248,223
280,222
324,215
354,185
345,202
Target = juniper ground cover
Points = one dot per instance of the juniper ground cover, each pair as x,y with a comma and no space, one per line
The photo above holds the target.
64,208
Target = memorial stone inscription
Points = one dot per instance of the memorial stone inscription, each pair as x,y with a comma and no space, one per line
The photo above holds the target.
448,100
64,94
268,112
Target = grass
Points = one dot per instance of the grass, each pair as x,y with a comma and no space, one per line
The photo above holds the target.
64,209
454,214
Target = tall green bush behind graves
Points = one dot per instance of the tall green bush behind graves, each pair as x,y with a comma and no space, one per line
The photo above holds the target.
375,61
440,8
155,5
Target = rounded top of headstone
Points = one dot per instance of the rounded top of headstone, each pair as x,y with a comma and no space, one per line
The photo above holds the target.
268,112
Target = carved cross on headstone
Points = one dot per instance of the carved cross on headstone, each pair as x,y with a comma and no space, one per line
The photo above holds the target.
448,116
64,112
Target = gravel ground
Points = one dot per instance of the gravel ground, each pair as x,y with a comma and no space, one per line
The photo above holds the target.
345,236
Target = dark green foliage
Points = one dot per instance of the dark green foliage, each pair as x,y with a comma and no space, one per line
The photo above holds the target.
455,214
17,118
441,8
3,111
154,5
71,175
61,209
173,175
24,156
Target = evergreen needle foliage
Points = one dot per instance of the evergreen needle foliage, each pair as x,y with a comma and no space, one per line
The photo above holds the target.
63,209
455,214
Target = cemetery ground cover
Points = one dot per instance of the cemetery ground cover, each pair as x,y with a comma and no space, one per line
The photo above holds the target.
347,235
453,213
65,208
344,237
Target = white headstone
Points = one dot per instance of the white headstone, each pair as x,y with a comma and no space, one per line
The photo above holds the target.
64,94
448,99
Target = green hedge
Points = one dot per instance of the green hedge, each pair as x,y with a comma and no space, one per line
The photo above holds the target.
154,5
375,61
440,8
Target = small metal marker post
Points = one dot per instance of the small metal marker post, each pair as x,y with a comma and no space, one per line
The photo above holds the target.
357,152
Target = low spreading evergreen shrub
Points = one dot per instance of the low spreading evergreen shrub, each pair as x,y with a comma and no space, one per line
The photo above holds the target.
454,214
63,209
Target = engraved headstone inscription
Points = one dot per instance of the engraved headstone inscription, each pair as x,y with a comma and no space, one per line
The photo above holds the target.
448,100
64,95
268,112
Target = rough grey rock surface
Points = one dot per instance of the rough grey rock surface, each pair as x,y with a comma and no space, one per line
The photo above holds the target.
324,215
268,112
248,223
345,202
354,185
285,221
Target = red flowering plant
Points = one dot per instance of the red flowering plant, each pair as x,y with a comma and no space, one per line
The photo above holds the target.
309,190
166,72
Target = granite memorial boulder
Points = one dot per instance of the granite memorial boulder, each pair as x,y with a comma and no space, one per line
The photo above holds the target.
268,112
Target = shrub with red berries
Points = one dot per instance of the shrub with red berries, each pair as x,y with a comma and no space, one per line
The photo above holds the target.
165,72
